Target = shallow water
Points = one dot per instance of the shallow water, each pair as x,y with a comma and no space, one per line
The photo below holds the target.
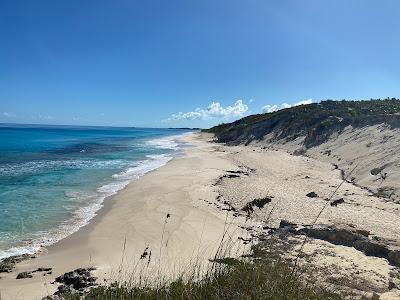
53,179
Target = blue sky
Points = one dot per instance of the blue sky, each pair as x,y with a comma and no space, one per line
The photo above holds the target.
190,63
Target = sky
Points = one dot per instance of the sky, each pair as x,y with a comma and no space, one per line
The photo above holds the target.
190,63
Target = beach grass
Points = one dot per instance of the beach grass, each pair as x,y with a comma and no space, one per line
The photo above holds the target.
228,279
259,274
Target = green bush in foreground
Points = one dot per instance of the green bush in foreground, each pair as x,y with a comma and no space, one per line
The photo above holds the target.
237,280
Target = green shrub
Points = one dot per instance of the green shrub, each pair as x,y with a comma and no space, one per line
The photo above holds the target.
240,280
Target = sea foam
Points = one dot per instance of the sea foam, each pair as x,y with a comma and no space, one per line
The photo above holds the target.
93,201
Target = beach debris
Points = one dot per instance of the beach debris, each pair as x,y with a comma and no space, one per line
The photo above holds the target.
23,275
245,240
168,215
234,174
384,176
238,172
77,280
286,224
260,203
43,269
230,176
312,195
376,171
327,152
337,201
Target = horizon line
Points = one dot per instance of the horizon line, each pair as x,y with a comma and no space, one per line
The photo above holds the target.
4,124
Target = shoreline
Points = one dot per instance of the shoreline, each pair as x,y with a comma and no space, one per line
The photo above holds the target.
123,229
174,217
36,246
107,204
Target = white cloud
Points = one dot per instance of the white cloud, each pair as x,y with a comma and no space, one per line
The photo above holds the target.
269,108
8,115
286,105
272,108
303,102
214,110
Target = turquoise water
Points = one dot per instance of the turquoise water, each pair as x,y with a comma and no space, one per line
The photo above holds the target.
54,179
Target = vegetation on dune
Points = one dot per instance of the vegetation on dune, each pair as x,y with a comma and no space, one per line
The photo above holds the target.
316,122
233,279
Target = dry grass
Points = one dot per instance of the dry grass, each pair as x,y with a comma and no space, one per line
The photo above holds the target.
244,277
233,279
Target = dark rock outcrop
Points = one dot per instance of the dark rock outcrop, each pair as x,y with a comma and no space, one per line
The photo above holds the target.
7,264
23,275
29,274
77,280
312,195
347,236
376,171
337,201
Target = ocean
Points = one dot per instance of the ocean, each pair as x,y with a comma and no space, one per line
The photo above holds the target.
53,179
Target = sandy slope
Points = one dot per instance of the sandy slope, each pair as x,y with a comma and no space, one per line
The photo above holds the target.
288,178
367,148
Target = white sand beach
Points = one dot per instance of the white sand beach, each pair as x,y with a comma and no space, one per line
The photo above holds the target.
197,192
136,219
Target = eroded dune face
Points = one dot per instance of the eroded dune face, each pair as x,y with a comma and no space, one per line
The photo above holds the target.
348,134
354,244
337,185
373,152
